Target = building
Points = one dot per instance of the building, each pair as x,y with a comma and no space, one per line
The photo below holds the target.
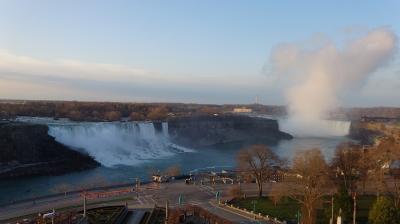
160,178
242,110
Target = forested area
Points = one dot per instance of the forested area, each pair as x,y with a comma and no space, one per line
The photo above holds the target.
113,111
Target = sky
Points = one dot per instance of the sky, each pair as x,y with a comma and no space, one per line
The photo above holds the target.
177,51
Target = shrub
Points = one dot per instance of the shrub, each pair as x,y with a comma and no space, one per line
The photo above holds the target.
383,212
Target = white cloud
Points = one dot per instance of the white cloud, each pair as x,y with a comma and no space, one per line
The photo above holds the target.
64,68
28,77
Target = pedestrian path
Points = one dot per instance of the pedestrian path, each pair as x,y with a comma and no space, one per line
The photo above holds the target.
145,199
206,189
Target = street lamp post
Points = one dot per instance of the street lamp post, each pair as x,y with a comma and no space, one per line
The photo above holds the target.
332,210
218,197
166,211
137,184
180,200
298,215
84,204
254,207
52,217
354,207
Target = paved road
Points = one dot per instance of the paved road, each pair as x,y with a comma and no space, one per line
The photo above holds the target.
147,196
226,214
136,216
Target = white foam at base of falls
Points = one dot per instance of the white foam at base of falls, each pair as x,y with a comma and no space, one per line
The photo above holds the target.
317,128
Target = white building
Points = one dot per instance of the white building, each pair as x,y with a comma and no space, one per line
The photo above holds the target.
242,110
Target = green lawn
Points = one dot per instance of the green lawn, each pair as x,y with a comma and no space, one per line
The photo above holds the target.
108,214
287,208
363,205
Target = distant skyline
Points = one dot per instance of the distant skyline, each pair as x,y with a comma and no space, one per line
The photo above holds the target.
177,51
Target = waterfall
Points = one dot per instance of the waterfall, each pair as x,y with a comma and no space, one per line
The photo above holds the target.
114,143
117,143
321,128
338,128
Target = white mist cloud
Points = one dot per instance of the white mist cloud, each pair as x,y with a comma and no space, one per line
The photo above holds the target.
313,75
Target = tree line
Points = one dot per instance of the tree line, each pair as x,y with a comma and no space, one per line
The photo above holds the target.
89,111
110,111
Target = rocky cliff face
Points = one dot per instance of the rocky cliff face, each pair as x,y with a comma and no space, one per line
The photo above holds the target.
199,131
27,150
359,131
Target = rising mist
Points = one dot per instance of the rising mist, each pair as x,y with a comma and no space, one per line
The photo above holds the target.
314,74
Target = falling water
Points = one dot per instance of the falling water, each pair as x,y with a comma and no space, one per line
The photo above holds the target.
322,128
117,143
114,143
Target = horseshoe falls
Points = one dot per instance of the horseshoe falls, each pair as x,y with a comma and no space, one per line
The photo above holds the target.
319,129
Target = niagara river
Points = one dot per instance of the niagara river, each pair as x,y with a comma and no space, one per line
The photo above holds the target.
129,150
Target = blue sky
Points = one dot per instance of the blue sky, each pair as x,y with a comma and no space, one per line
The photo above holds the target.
173,51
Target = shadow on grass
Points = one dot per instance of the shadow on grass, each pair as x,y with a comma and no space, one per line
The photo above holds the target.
286,209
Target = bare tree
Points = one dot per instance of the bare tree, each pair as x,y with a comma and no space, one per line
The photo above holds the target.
364,166
394,189
235,192
173,171
158,113
309,183
209,110
345,162
259,161
135,116
75,115
276,193
112,116
386,160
